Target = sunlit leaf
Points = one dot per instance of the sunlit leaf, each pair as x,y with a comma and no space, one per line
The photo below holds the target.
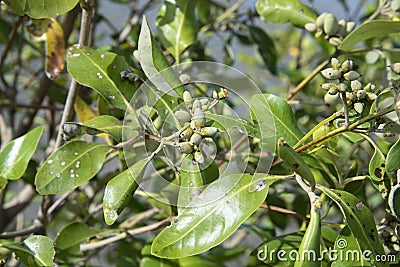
275,117
119,191
359,219
14,158
70,166
38,9
212,217
279,12
310,244
177,25
393,156
226,123
369,30
153,63
36,250
101,72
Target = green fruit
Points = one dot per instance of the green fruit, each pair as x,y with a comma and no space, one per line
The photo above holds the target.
327,86
209,131
371,96
198,157
196,138
187,97
358,107
183,116
335,63
395,68
350,26
361,94
311,27
185,135
331,24
333,90
199,118
196,104
185,147
320,20
347,65
342,87
351,75
331,74
355,85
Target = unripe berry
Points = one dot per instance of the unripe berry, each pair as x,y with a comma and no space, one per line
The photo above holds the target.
351,75
311,27
185,147
199,118
335,63
359,107
209,131
395,68
185,135
333,90
320,20
187,97
342,87
350,26
183,116
361,94
355,85
327,86
347,65
195,139
371,96
330,24
331,74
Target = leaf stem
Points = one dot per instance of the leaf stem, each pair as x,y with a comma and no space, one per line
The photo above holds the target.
306,80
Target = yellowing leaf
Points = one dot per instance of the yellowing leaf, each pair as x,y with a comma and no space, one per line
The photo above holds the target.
50,31
85,114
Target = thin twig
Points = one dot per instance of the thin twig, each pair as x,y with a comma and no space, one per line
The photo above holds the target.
83,40
306,80
23,232
284,211
104,242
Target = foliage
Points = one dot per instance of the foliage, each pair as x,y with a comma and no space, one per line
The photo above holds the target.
151,134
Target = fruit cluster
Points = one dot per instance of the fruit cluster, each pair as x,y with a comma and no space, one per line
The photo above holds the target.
196,135
334,30
343,79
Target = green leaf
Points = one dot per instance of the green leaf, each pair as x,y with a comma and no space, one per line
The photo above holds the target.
295,162
393,156
36,250
119,190
266,47
394,200
68,241
177,25
149,260
359,219
376,167
225,123
70,166
213,212
14,158
369,30
275,116
191,182
101,72
38,9
287,243
309,249
279,12
155,65
107,124
3,183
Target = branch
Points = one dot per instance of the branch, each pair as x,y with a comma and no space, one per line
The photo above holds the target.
104,242
27,231
284,211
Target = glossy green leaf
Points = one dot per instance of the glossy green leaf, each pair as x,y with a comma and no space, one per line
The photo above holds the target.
295,162
38,9
153,63
279,12
107,124
213,212
394,200
225,123
14,158
359,219
346,244
309,249
101,72
149,260
266,47
377,168
68,240
70,166
119,190
3,183
268,251
36,250
369,30
177,25
393,157
191,182
275,117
